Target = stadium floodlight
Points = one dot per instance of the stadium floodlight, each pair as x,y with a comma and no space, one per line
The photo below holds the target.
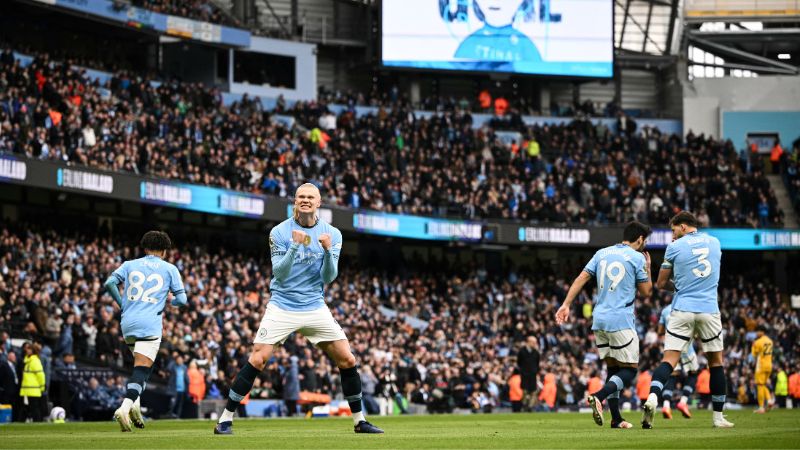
784,56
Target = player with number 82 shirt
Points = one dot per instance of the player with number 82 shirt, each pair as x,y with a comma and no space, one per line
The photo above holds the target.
147,282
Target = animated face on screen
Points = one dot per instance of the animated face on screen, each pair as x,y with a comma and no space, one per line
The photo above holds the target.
498,40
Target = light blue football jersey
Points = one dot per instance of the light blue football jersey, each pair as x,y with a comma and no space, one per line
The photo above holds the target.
695,261
617,269
147,282
302,290
664,320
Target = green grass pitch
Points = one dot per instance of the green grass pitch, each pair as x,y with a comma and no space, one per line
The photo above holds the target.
778,429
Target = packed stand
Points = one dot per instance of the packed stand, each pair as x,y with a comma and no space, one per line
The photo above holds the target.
580,173
202,10
486,103
451,337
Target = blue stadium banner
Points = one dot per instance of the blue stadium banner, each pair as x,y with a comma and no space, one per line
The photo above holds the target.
143,19
83,180
738,238
12,169
545,235
202,198
414,227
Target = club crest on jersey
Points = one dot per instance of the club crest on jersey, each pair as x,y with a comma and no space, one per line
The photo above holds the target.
262,333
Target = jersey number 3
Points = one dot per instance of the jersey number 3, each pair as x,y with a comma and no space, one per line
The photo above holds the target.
702,259
137,292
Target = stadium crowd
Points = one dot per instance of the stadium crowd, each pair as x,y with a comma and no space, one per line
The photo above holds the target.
395,160
202,10
430,335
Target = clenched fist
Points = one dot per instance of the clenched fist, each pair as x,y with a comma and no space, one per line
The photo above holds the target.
299,236
325,241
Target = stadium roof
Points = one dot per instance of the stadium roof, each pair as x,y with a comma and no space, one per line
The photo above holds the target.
645,26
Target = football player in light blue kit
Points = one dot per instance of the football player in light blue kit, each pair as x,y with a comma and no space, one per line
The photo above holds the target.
688,368
694,258
621,271
147,283
305,257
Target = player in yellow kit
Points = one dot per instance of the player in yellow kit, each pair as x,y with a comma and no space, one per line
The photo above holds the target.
762,353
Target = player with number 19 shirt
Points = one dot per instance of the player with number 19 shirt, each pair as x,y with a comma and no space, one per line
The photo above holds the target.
621,271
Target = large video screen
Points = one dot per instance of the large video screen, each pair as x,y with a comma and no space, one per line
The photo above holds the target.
543,37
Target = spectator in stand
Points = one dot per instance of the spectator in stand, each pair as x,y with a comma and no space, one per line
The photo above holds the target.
89,336
291,386
775,157
9,379
368,384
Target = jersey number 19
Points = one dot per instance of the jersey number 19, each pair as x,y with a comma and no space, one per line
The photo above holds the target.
615,272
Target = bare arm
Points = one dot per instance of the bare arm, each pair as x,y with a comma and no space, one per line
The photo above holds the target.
664,279
563,312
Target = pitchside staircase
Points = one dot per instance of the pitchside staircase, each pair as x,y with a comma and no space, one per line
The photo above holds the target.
784,201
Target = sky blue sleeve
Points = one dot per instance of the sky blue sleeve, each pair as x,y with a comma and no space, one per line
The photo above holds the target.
118,276
670,254
282,254
591,266
330,262
176,287
121,274
641,272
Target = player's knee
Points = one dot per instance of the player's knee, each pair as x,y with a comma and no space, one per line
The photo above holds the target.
347,361
258,358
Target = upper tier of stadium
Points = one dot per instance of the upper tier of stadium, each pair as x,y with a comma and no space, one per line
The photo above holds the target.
578,173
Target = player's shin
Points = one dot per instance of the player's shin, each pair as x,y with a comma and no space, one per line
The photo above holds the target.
613,406
135,386
351,388
666,394
660,377
613,384
717,385
688,387
241,387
